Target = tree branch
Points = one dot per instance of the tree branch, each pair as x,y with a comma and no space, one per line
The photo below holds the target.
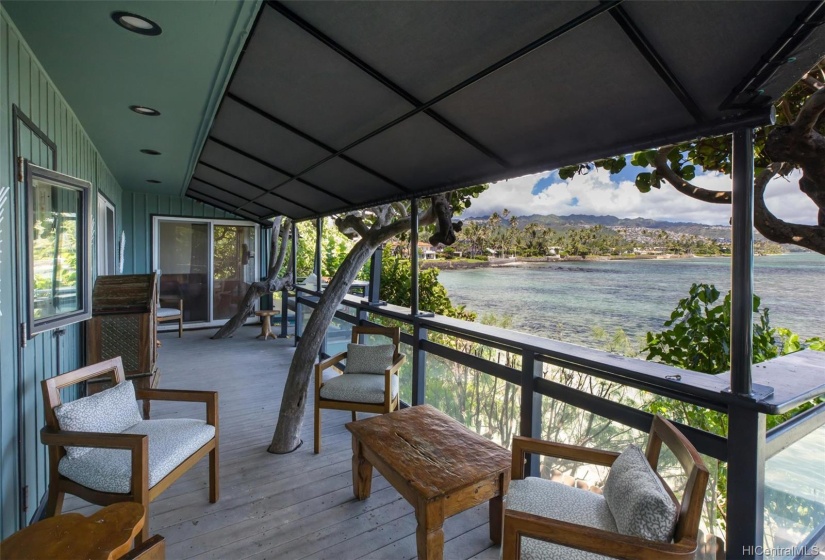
780,231
810,112
352,223
705,195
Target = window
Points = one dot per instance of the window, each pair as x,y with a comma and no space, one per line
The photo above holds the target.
105,236
59,222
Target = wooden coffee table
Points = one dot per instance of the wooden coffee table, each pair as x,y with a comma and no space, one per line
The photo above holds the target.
437,464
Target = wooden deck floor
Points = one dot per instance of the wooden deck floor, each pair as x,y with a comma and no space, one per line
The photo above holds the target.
298,505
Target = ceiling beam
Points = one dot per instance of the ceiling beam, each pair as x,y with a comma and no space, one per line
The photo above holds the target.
652,56
381,78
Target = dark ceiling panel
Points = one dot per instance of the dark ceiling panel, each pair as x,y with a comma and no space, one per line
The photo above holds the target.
221,179
299,192
428,47
284,70
422,154
237,164
217,193
536,107
284,207
688,36
349,181
255,135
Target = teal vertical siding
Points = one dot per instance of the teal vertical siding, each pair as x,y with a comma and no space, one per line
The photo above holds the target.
137,223
23,82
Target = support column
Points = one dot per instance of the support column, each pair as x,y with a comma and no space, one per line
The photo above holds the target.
741,316
530,414
376,262
295,277
319,230
414,257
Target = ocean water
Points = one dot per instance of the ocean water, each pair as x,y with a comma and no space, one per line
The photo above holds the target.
566,300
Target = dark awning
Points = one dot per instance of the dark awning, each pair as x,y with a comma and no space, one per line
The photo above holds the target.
339,105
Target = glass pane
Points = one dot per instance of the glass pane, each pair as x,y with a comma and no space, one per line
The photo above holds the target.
339,334
234,266
55,242
795,494
485,404
183,250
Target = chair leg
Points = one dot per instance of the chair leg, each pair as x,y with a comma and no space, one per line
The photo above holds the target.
54,505
317,428
354,416
180,327
143,536
214,476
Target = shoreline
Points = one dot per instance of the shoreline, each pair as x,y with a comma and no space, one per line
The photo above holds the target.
467,264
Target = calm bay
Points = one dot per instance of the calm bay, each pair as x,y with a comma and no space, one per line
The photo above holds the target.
566,300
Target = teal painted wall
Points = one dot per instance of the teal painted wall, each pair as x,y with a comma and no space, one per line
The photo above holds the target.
23,82
137,223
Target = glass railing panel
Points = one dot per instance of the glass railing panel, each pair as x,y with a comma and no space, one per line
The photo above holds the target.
795,495
485,404
339,334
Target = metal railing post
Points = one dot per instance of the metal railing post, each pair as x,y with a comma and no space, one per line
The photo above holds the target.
419,364
530,413
284,313
414,257
295,276
746,483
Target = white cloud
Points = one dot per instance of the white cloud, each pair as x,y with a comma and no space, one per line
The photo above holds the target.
597,194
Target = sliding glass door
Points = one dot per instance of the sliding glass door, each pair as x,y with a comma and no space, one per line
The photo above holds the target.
209,264
234,265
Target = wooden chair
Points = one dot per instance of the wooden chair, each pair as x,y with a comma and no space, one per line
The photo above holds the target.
136,443
519,524
171,313
390,401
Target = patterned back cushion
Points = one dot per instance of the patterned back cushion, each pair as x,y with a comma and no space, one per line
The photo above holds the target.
363,358
110,411
637,499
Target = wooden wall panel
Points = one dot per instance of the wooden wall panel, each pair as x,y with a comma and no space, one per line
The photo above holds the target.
24,83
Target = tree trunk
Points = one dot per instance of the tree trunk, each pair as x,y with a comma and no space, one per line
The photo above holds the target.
293,403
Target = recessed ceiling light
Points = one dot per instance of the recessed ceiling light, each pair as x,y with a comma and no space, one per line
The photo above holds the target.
153,181
136,24
147,151
141,110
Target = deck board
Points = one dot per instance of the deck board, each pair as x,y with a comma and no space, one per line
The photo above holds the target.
298,505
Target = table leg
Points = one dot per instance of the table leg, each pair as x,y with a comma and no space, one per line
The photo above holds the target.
429,535
497,508
496,514
361,472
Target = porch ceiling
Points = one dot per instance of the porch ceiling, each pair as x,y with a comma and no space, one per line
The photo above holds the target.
336,105
339,105
101,69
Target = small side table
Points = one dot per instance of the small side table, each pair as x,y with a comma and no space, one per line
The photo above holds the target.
105,535
266,327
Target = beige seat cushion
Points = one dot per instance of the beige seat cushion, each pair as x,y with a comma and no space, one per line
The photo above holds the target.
171,442
365,388
168,312
565,503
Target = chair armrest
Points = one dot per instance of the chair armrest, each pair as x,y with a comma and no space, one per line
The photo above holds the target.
178,302
137,444
210,398
332,361
523,445
105,440
598,541
397,365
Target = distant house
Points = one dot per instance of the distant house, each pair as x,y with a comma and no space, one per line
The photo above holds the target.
492,252
553,251
429,254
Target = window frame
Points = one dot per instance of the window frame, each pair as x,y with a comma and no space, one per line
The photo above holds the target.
84,248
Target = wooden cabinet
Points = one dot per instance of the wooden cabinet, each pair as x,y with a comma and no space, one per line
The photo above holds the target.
124,323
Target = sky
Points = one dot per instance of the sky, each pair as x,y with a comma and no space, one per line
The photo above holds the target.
599,194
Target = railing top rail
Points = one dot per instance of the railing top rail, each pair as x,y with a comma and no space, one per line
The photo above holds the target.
795,378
